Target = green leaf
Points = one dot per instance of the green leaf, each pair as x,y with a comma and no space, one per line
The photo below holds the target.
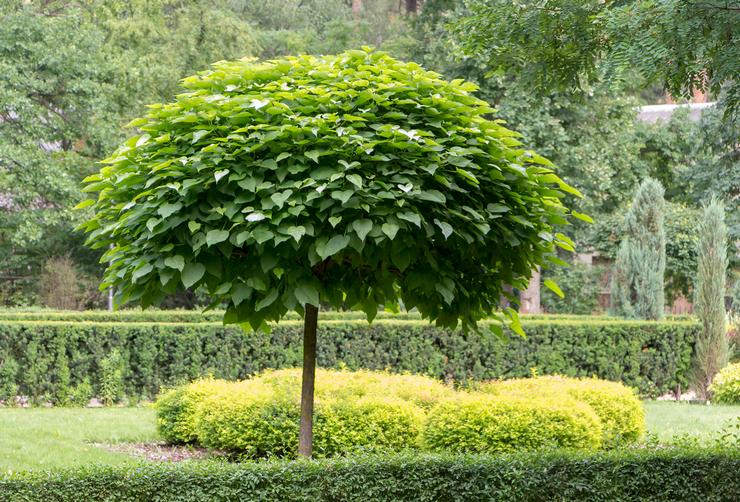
141,271
390,229
581,216
255,216
85,203
216,236
332,246
297,232
313,155
342,195
166,210
553,286
514,322
355,179
279,198
307,294
432,196
362,227
335,220
240,292
410,217
193,226
445,227
192,273
176,261
220,174
267,300
261,235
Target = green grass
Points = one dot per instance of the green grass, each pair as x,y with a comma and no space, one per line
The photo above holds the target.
47,438
669,421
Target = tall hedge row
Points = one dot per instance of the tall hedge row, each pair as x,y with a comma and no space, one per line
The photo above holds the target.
667,475
196,316
42,359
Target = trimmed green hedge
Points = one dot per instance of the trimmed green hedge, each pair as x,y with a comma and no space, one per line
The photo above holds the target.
196,316
48,360
666,475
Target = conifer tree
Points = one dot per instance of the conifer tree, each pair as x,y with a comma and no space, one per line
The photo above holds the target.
711,350
637,285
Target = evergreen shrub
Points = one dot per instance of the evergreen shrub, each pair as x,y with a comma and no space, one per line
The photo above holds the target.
654,357
668,474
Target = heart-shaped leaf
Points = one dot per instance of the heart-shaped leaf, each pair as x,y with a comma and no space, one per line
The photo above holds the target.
192,273
216,236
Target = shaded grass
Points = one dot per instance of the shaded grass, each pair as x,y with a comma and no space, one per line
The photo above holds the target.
50,438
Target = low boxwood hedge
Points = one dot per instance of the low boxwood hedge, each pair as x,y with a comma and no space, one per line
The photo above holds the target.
49,360
664,475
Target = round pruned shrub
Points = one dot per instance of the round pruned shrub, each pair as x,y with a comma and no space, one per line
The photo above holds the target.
176,408
259,417
497,424
342,384
725,388
617,406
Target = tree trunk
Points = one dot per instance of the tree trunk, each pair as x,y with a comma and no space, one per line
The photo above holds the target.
412,6
356,8
305,438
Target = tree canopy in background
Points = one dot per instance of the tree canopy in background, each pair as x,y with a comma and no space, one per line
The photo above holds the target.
102,62
684,45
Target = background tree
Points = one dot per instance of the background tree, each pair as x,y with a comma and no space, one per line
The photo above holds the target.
684,45
711,349
352,181
638,280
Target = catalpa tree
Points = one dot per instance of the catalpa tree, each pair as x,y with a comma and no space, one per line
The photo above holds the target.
349,181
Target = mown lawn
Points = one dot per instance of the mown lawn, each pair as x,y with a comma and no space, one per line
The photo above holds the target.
669,421
47,438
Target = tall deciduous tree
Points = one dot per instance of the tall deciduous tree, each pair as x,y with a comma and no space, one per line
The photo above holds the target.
352,180
637,285
711,349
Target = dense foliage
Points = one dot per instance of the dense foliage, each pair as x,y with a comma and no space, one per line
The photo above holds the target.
683,45
273,183
725,387
48,360
620,476
109,73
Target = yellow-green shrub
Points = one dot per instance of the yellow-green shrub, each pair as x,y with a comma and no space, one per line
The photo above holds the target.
343,384
259,417
726,385
617,406
496,424
176,408
266,424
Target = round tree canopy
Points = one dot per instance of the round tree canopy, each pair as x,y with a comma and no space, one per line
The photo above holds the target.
353,180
